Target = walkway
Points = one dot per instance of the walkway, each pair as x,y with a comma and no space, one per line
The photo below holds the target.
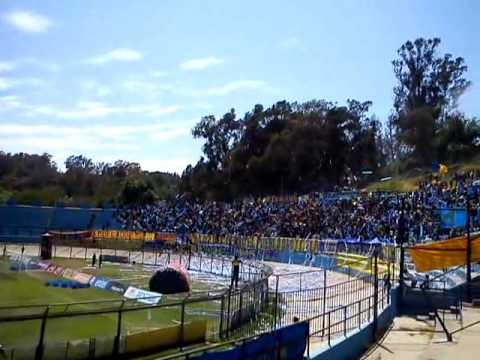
410,339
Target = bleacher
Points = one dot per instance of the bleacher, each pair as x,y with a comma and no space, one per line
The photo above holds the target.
27,223
71,219
105,218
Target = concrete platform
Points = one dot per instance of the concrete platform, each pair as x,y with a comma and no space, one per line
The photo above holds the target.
420,339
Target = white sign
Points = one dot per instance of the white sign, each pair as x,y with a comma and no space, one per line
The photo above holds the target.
144,296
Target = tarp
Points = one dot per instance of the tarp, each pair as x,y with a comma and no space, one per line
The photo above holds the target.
444,254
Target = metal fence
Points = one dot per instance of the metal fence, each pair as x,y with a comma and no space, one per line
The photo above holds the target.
253,308
116,319
351,305
228,311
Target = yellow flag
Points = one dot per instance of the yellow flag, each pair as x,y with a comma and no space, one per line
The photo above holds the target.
443,169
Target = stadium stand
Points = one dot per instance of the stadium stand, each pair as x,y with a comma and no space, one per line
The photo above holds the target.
71,219
27,223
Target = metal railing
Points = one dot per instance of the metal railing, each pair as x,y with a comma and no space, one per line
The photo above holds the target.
252,309
229,312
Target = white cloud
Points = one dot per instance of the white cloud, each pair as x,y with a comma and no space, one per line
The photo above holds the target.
94,109
28,21
59,138
9,102
154,130
6,66
121,54
235,86
94,88
290,42
175,165
146,88
100,141
41,64
201,63
158,74
9,83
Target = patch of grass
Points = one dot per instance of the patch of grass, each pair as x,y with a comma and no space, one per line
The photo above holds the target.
396,184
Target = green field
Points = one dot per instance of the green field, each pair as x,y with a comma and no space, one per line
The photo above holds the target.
28,288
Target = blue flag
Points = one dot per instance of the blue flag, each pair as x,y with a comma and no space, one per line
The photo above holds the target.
453,218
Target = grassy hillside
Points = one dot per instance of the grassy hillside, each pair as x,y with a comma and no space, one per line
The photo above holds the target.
410,180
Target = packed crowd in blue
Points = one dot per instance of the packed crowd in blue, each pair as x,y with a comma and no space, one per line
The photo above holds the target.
340,215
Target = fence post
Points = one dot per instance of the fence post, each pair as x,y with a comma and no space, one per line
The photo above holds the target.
240,304
324,301
375,297
369,306
359,313
276,304
228,309
70,252
116,343
329,328
182,324
345,321
66,349
222,308
39,350
85,253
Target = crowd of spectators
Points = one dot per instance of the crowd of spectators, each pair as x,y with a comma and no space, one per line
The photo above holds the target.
340,215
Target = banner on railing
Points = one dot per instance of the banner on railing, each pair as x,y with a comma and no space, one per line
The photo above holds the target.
444,254
116,286
143,296
167,337
99,282
287,343
124,235
167,237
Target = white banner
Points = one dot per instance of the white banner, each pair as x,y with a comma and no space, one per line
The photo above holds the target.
144,296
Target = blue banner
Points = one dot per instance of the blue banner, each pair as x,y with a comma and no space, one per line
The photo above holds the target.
287,343
116,286
453,218
99,282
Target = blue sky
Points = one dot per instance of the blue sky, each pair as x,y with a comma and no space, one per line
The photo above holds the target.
128,79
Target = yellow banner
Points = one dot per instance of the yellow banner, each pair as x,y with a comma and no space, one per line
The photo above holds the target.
444,254
124,235
194,331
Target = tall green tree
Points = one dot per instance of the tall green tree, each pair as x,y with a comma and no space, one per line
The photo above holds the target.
429,85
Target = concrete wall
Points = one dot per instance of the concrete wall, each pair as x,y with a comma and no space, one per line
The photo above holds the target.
356,342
